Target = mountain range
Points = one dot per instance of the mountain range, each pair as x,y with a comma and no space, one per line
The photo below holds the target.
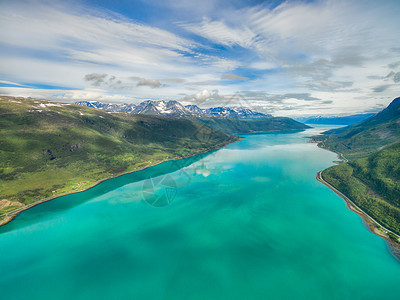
174,108
335,120
229,120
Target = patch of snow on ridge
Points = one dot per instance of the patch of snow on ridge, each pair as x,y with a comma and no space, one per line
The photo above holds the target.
44,105
52,104
162,107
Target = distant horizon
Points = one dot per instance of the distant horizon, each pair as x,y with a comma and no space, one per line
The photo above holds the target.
285,58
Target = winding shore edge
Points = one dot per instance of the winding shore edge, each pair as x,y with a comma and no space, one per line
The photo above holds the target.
370,222
13,214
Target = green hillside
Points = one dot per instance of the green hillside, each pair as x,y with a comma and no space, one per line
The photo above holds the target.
371,177
372,183
367,137
49,148
244,126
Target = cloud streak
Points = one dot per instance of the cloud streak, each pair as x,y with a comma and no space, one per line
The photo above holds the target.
233,77
153,83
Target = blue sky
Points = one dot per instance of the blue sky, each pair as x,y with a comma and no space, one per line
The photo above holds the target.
289,58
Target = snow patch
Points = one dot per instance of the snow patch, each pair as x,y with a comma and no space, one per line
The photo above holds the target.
44,105
52,104
162,107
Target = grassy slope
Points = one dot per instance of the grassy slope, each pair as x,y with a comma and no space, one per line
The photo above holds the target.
243,126
367,137
371,179
48,148
372,183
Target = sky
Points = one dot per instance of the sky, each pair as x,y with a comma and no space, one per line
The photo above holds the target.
287,58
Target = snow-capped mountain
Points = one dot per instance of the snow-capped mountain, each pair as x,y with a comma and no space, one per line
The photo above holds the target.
194,109
129,108
235,112
161,107
94,104
146,107
172,108
175,109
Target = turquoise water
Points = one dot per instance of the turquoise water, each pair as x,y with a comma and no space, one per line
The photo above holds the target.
245,222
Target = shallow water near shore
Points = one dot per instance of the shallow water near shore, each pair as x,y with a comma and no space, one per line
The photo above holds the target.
248,221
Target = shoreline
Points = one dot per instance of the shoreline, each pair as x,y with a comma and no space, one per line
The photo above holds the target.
15,213
322,146
369,222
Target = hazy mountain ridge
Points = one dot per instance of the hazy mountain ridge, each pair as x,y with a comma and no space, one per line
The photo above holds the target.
335,120
248,126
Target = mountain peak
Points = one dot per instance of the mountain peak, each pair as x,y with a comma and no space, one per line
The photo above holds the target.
395,104
389,113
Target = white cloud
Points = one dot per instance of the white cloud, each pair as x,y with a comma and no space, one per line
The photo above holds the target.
325,85
219,32
263,65
153,83
203,95
10,82
69,43
41,25
321,28
66,95
328,46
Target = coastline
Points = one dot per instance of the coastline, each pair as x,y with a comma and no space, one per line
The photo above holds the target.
321,145
15,213
372,225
